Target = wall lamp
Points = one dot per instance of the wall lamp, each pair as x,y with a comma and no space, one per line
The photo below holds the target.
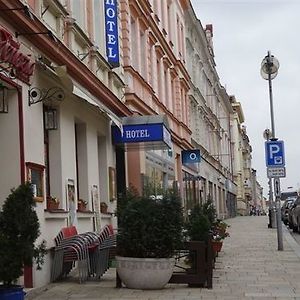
25,9
3,99
48,32
50,118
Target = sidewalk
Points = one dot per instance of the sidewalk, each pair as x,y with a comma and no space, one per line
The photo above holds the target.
248,267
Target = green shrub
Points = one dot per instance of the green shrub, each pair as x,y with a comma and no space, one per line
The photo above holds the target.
150,227
197,225
19,229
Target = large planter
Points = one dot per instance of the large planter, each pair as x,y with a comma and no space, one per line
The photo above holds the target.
12,293
145,273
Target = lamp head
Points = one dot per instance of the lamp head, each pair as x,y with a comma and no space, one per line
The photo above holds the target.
269,66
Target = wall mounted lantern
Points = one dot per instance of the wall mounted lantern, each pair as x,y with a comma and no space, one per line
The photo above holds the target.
3,99
50,118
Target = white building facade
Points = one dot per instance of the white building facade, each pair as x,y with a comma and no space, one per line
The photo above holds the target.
210,114
68,76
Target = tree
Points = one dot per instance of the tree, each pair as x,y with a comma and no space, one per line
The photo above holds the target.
19,229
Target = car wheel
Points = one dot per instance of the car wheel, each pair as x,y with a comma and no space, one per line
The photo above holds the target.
295,228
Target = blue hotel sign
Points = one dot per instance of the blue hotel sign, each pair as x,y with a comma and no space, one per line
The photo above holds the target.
142,133
111,31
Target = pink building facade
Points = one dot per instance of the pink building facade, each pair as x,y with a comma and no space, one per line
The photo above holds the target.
157,83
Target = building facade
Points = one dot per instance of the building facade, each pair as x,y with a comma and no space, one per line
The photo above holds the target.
157,84
66,75
210,120
110,94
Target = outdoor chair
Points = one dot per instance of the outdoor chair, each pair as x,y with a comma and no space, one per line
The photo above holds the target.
90,250
100,256
70,248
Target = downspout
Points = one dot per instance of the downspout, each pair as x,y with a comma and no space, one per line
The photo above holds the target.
28,276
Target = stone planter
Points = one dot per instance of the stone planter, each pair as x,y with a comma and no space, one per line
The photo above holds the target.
145,273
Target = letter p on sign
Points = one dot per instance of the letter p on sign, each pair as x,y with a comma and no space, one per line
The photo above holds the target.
274,154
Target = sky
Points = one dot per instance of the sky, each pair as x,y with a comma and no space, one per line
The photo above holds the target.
243,32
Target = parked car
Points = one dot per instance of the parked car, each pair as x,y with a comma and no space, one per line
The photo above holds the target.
288,203
295,216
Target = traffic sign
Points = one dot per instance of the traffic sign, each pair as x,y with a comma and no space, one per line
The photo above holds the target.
277,187
276,172
274,154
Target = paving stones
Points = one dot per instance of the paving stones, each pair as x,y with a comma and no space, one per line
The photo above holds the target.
248,267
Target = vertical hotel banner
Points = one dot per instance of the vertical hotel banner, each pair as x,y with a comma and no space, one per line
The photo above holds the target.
111,32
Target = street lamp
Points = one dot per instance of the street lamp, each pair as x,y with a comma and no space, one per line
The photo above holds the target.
268,71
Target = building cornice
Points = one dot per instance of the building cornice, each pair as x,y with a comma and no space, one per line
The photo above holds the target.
57,52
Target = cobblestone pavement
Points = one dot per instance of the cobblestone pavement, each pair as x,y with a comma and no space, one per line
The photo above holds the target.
248,267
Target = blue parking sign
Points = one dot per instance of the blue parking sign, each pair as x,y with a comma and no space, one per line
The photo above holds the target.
274,154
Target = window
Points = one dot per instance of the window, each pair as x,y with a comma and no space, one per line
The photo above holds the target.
144,54
133,43
98,25
78,10
35,175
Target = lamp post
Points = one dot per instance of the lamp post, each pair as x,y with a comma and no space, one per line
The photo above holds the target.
269,70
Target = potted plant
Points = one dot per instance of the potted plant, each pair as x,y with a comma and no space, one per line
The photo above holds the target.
52,203
19,229
219,233
103,208
150,231
82,204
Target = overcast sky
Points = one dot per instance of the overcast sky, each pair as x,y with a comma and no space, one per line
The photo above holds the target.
244,30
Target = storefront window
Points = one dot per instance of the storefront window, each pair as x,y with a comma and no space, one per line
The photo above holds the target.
191,190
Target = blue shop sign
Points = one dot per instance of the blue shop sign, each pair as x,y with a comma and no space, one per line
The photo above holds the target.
111,31
190,156
142,133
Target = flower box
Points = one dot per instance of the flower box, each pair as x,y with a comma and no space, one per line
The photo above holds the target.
82,204
52,203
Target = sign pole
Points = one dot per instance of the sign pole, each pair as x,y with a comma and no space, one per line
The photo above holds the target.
278,210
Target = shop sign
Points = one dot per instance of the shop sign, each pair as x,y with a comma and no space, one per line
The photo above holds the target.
10,54
111,30
190,156
142,133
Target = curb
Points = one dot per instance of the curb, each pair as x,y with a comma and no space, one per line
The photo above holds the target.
291,241
34,292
